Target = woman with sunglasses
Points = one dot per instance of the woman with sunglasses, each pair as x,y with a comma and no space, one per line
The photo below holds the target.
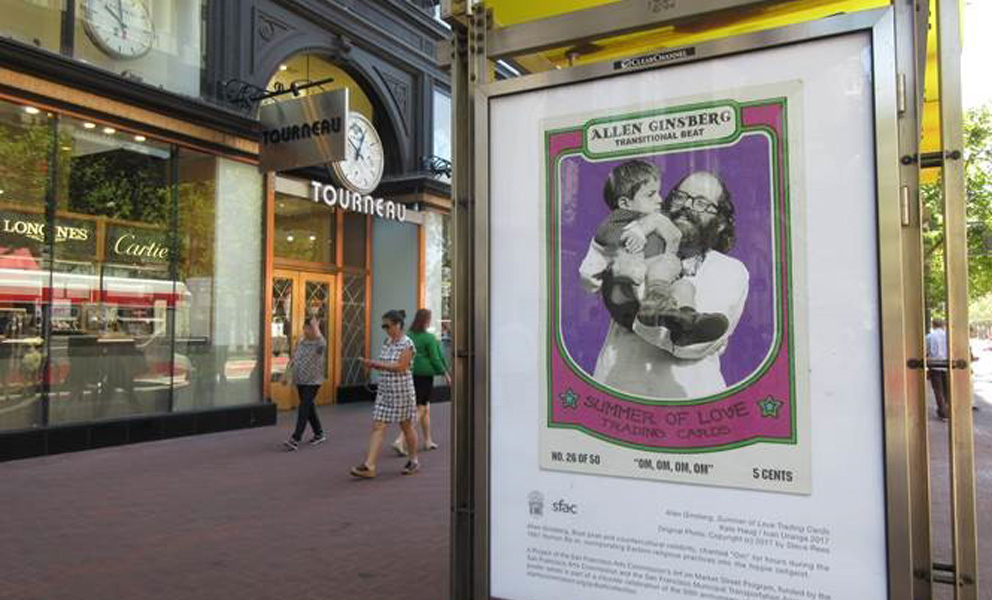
396,400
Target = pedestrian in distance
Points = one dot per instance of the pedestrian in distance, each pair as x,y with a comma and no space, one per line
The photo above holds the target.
307,368
428,362
395,400
936,343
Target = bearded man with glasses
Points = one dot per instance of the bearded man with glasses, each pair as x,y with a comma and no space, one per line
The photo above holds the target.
675,352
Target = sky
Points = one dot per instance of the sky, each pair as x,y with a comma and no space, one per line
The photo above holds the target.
976,57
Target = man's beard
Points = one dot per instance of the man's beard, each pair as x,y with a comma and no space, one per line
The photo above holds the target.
697,238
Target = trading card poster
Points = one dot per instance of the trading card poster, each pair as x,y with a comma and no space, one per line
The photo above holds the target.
673,330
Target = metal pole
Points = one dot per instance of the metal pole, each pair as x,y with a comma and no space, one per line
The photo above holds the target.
910,18
462,448
469,484
961,440
480,73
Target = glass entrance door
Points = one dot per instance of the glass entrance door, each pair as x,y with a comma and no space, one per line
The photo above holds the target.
296,297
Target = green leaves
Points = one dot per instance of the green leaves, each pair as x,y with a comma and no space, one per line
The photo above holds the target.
978,189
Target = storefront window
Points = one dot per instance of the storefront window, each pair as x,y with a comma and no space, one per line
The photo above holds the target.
442,127
27,138
34,22
111,285
304,230
130,273
353,330
437,271
219,293
306,68
355,239
157,42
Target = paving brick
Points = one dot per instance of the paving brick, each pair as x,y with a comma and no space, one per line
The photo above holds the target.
228,515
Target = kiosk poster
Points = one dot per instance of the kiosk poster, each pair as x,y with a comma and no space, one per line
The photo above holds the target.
674,337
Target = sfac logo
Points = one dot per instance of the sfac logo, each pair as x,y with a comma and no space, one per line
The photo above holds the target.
562,506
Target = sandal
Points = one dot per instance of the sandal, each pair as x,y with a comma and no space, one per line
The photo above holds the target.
400,450
362,472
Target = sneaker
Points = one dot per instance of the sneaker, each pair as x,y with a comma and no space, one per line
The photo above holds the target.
291,445
411,467
430,446
318,440
685,325
399,449
362,472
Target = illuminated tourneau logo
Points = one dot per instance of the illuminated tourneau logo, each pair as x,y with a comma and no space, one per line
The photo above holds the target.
349,200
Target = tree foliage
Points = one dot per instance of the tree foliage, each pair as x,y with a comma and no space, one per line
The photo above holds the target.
978,197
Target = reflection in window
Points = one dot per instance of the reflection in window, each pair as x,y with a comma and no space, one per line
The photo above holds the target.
355,239
442,126
34,22
158,42
130,273
437,273
112,293
219,290
26,138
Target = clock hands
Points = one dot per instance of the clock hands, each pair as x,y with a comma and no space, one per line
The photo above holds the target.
361,143
357,148
117,16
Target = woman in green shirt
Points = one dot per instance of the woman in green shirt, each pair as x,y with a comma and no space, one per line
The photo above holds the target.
427,362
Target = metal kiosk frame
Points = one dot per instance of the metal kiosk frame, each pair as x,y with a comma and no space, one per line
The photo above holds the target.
899,47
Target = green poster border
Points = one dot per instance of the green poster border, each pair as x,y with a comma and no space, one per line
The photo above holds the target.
784,298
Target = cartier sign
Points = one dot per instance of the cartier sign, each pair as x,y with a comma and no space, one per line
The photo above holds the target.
132,245
304,132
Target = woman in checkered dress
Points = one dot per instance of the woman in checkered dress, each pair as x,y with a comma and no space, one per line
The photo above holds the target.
396,400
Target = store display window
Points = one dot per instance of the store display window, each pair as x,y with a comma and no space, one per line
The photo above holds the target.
130,273
158,42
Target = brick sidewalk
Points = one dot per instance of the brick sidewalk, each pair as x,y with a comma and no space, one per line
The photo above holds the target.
227,516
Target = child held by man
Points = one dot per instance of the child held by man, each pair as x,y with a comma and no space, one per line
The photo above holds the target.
637,245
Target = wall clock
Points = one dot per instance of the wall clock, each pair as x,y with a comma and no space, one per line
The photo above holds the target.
361,170
122,29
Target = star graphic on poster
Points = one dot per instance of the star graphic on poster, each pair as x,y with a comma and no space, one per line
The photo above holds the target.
569,399
769,407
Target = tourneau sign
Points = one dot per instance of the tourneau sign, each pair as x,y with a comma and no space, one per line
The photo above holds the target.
350,200
304,132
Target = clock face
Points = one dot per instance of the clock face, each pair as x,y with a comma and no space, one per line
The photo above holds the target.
361,170
121,28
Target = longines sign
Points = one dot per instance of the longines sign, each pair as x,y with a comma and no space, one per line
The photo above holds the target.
304,132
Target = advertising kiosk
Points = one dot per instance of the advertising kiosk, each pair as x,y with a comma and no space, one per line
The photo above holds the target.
690,320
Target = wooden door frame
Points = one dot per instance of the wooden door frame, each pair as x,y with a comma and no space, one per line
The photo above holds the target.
298,310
